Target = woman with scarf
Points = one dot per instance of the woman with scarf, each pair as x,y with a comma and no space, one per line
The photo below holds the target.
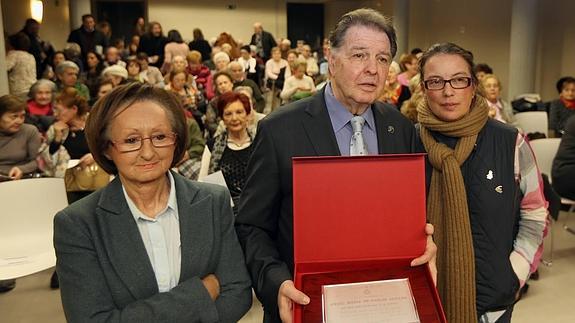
561,109
485,197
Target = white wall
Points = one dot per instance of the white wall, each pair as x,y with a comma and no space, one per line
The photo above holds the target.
214,17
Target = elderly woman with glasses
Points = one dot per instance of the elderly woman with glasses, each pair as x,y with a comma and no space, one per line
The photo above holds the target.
151,246
485,197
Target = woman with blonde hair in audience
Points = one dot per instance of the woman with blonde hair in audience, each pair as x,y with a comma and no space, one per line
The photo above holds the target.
174,47
498,108
485,197
393,92
409,107
231,149
19,144
201,74
299,85
151,246
410,67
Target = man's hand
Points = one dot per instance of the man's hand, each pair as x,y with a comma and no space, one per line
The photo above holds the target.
15,173
212,285
287,295
429,255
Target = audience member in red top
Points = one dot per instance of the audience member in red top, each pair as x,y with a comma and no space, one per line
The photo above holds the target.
201,72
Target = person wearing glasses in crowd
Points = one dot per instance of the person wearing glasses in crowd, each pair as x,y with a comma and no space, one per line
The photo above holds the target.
151,246
485,198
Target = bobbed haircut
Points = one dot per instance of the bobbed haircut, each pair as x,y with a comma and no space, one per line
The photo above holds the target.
449,49
11,103
107,108
367,18
562,82
231,97
70,97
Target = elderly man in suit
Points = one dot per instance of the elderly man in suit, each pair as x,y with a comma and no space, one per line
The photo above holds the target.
362,47
264,41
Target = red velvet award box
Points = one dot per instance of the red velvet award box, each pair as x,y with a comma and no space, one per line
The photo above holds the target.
360,219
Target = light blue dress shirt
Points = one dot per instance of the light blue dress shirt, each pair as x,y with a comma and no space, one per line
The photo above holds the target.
340,121
161,236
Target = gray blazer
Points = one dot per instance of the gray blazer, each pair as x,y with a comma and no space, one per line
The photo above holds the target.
106,276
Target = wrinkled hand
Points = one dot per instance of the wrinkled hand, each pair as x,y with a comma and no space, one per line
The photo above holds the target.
86,160
287,295
212,285
429,255
15,173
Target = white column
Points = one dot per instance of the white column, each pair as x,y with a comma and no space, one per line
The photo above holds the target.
78,8
3,73
522,50
401,24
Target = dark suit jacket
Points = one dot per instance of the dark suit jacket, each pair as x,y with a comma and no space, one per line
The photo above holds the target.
106,275
268,42
265,219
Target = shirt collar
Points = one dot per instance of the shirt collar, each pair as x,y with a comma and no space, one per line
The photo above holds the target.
172,203
340,115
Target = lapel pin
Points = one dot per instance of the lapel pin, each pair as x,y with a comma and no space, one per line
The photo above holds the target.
390,129
499,189
490,175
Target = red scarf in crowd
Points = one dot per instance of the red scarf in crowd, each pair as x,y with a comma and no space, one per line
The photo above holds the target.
569,104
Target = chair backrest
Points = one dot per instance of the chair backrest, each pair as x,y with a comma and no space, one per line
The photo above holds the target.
533,121
26,224
545,151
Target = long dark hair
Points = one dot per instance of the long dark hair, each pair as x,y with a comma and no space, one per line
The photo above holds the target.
174,36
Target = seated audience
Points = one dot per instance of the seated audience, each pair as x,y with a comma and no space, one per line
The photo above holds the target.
201,74
73,53
312,67
133,46
40,106
104,87
134,70
150,230
149,74
153,43
409,66
91,76
67,73
299,85
393,92
248,63
239,77
481,69
174,47
223,83
113,57
485,197
200,44
221,61
67,140
225,38
231,149
116,73
50,70
498,108
20,65
563,171
19,144
285,46
562,109
276,71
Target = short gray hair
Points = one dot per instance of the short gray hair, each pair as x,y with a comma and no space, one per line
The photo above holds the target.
65,65
367,18
40,83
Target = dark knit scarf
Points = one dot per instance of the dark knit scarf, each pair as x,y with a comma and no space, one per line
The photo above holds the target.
447,207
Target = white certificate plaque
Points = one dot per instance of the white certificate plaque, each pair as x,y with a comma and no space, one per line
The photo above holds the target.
384,301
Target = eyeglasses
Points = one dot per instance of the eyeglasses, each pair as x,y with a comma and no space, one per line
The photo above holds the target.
135,143
439,84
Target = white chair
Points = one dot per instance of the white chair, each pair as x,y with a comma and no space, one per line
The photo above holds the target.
545,151
205,163
26,225
532,121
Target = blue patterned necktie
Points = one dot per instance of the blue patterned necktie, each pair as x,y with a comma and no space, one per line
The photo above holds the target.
357,145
